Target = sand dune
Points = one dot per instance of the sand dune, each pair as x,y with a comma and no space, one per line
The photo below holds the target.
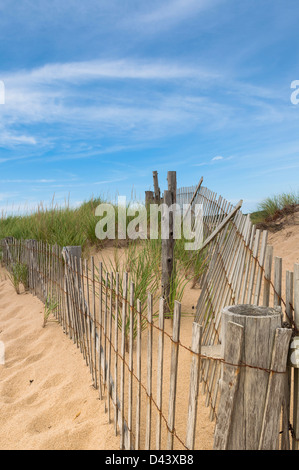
47,398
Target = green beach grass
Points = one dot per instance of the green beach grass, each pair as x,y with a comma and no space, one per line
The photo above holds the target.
271,206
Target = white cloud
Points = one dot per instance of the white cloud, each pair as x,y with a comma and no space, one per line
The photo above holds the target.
169,13
214,159
79,72
8,139
20,181
217,158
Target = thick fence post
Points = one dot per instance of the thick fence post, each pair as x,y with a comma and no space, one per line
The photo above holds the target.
168,218
156,188
252,383
167,250
149,198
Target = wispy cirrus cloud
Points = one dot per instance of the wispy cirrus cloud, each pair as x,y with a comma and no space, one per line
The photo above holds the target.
164,15
214,160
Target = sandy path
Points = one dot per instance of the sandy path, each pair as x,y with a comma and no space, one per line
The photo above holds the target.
47,398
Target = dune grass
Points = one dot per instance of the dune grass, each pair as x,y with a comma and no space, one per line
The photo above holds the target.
57,225
66,226
19,275
270,206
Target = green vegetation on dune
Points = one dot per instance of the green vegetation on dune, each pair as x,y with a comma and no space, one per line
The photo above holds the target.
273,206
57,225
67,226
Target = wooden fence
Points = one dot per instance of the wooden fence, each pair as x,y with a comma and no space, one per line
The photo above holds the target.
241,270
133,355
147,374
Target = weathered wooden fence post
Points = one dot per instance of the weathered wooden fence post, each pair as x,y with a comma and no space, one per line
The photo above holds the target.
168,217
156,188
172,184
149,198
255,351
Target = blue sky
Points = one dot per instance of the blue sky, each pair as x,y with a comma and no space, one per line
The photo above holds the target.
98,94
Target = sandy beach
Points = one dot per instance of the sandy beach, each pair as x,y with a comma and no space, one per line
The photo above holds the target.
47,398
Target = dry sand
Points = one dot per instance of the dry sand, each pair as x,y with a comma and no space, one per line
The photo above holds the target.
47,398
285,244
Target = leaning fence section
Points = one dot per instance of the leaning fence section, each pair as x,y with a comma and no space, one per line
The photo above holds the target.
241,269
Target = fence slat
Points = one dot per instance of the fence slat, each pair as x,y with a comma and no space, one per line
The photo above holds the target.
109,389
295,440
116,325
160,372
123,356
94,324
271,419
138,375
100,332
267,277
194,382
149,371
173,373
277,281
131,344
229,383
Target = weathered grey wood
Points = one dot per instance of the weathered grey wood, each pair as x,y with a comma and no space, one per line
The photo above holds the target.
194,383
123,358
193,197
272,412
267,277
83,311
172,184
160,373
253,265
260,324
149,371
71,321
116,318
77,280
173,373
88,319
131,345
221,226
286,410
234,339
149,198
295,440
260,268
156,187
138,376
277,281
67,296
167,251
105,328
100,332
121,423
94,323
109,390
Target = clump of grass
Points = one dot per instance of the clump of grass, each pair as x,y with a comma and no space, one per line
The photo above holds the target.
272,206
61,225
50,307
140,261
19,275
